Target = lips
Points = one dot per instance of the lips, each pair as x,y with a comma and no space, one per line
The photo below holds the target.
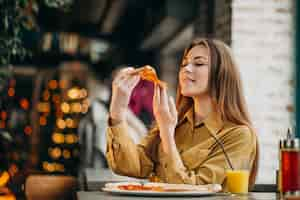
187,82
188,79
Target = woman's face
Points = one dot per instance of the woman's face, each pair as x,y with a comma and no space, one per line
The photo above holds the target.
194,75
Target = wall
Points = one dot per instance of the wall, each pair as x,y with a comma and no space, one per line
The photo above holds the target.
262,41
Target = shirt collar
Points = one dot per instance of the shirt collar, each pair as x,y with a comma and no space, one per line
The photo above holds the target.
213,121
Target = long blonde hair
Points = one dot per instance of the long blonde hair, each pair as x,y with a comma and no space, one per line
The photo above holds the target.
225,89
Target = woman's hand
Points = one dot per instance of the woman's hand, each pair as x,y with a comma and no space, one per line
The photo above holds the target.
122,87
165,114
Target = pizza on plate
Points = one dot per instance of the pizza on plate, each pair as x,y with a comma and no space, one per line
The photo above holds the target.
163,187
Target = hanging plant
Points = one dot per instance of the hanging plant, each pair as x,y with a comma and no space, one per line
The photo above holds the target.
16,16
12,22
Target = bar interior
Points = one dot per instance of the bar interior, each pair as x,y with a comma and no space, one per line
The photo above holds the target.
63,84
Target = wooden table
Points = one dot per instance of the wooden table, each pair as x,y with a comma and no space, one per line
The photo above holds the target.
96,178
106,196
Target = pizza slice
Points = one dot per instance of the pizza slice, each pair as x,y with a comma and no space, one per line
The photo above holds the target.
148,73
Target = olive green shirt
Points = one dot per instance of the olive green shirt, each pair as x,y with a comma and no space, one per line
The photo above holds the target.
201,161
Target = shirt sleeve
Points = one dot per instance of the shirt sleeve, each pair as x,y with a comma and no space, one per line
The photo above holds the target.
125,157
209,166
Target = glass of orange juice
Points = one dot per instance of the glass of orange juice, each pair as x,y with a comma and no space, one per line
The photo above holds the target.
237,181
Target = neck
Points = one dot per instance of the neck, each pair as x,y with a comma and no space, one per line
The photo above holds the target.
202,107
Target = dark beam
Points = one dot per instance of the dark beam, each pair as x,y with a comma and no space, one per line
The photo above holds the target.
178,15
180,40
114,13
163,32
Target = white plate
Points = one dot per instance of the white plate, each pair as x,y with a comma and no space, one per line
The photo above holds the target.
113,189
156,193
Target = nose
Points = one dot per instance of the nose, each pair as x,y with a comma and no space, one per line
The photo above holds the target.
189,67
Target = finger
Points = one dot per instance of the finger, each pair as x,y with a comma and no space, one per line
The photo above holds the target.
126,73
126,81
156,96
158,93
133,81
123,73
129,70
119,75
164,97
172,106
135,71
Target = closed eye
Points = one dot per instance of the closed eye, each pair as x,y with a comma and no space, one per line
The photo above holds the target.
195,64
199,64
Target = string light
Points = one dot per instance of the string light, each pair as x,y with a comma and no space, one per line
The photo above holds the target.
58,138
45,165
66,154
55,153
43,107
4,115
65,107
73,93
11,92
4,178
28,130
24,103
59,167
43,121
76,107
71,138
60,123
86,101
69,123
83,93
52,84
51,167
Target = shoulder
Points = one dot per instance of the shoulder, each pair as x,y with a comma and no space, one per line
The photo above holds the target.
242,133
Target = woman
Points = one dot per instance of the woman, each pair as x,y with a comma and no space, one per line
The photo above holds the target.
183,148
